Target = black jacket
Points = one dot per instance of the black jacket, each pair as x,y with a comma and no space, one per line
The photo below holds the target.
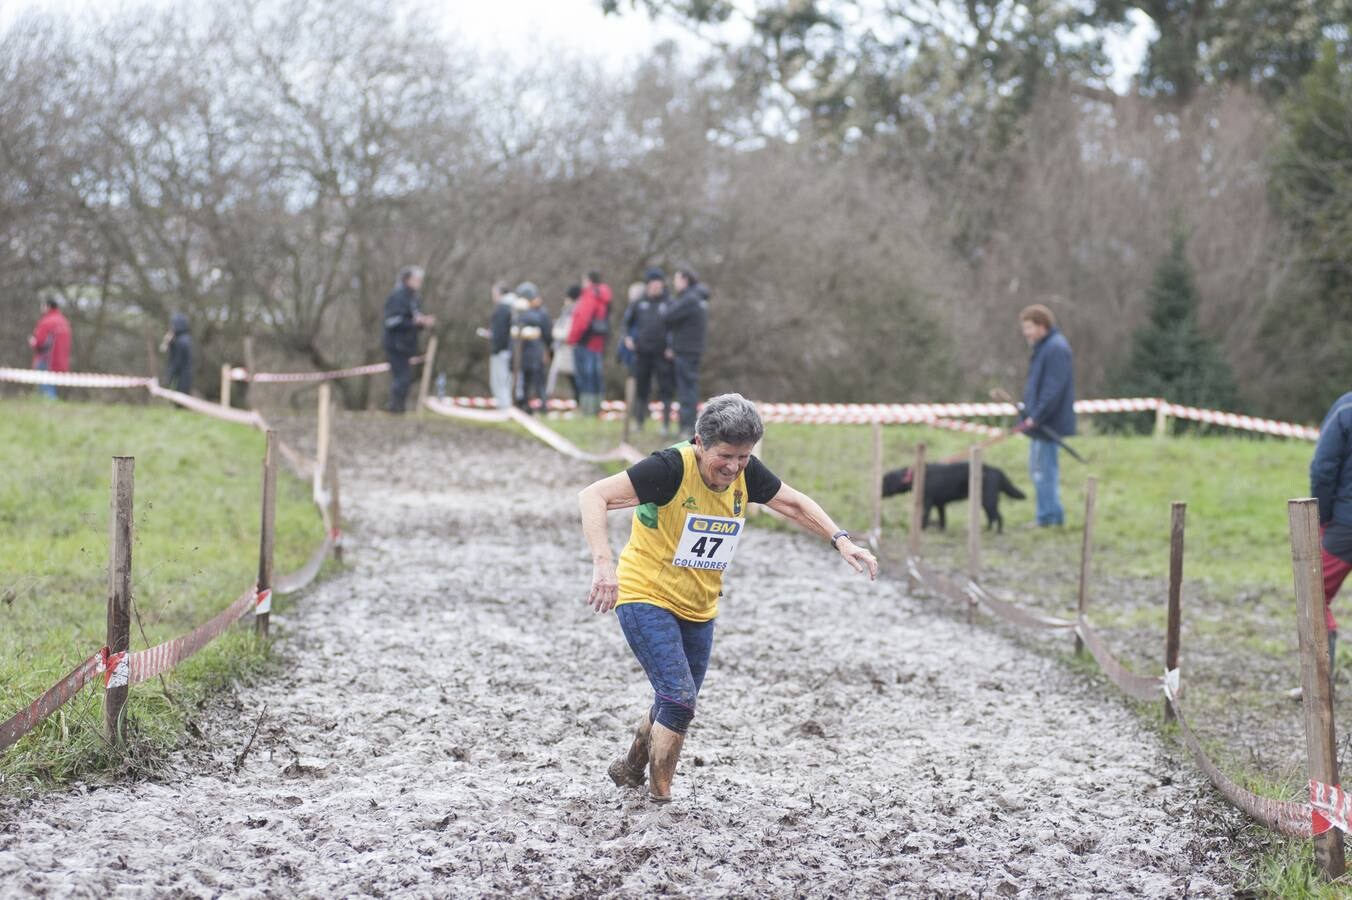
688,320
180,354
643,319
1331,469
533,351
501,326
401,335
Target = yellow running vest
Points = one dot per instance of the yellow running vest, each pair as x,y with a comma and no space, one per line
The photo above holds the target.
704,525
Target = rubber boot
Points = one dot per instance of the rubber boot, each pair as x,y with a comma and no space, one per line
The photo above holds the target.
664,749
631,770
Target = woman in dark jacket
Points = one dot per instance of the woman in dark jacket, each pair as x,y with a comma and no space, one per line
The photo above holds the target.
178,343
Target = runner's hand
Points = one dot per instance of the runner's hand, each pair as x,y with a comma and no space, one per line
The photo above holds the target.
605,589
861,559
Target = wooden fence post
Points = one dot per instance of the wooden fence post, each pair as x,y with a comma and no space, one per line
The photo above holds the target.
120,524
325,411
876,488
1161,421
1173,633
225,384
629,411
1086,551
251,366
425,383
264,609
917,513
974,478
1317,694
152,364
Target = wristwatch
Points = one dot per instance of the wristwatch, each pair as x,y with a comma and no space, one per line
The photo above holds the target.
837,536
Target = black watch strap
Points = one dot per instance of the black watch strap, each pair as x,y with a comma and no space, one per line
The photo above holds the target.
837,536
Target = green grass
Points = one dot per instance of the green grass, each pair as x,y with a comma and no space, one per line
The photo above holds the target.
197,498
1236,489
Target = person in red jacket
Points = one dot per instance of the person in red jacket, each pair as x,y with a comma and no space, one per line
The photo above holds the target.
587,336
50,342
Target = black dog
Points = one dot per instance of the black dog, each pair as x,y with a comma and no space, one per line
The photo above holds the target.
947,482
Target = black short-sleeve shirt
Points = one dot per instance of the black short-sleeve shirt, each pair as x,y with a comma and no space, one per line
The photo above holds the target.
657,478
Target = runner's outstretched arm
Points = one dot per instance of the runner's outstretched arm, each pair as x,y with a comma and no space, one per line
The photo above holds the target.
793,504
615,492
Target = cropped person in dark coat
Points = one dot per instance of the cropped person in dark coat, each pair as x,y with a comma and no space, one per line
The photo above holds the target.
646,335
403,318
1048,408
687,320
537,339
1331,485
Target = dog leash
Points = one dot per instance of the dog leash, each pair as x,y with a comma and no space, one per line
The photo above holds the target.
989,442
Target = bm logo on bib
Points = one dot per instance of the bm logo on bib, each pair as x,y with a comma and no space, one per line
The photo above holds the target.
713,525
707,542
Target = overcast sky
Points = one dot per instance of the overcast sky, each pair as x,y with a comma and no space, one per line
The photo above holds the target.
515,26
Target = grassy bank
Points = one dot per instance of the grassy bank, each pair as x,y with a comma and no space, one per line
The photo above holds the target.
196,548
1236,489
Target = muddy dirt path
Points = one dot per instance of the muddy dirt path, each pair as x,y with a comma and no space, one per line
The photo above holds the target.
447,708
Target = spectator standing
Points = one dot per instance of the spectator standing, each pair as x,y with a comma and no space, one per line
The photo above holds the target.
687,320
403,319
646,335
1331,485
500,345
537,337
177,343
50,343
624,354
590,328
562,363
1048,408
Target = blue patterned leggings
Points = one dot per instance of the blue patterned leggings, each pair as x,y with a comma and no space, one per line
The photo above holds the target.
675,655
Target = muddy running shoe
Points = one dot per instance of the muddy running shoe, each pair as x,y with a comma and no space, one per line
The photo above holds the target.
624,776
631,770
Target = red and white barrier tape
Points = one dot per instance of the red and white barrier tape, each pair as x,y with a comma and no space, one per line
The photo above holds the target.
1130,404
28,718
1330,807
162,657
477,412
241,374
1240,422
73,379
797,413
294,581
207,408
116,668
942,415
262,601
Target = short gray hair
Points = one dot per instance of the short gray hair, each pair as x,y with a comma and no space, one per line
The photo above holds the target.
729,419
408,272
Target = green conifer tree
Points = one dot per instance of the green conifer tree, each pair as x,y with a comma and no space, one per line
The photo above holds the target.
1171,357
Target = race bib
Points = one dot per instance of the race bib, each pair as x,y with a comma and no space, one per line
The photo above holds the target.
708,542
